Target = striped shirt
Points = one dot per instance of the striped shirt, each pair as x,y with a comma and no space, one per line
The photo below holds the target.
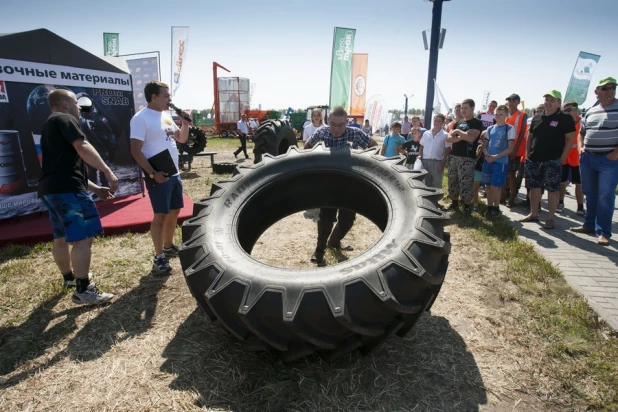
600,128
356,137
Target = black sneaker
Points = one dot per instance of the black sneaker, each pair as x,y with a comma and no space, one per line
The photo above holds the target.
453,207
160,266
171,252
467,210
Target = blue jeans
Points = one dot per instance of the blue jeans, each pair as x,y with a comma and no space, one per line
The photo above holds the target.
599,179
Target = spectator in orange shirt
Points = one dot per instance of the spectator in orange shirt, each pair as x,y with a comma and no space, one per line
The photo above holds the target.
570,169
519,120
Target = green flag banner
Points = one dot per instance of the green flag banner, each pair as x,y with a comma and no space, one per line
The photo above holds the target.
341,67
580,79
111,44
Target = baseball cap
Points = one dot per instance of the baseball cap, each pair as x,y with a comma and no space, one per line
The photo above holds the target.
607,80
513,97
554,93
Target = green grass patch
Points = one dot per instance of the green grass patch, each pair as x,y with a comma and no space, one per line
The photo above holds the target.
574,344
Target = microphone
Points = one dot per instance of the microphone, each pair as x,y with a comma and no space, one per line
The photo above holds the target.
180,112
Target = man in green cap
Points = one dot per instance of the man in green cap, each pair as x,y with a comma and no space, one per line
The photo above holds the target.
550,139
598,145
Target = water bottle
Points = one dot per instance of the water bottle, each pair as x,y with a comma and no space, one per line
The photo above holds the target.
418,164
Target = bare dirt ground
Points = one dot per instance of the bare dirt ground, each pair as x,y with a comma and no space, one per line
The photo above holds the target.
152,349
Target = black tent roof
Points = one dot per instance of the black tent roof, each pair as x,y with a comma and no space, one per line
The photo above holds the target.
43,46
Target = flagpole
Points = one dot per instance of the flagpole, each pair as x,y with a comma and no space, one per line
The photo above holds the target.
330,87
171,61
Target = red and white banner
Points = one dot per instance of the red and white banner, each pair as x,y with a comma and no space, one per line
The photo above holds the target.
180,43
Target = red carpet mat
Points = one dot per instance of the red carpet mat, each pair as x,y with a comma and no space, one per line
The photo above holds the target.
129,214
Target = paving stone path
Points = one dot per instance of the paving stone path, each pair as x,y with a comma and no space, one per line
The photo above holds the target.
589,268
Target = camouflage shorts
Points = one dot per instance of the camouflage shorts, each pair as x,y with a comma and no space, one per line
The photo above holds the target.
547,174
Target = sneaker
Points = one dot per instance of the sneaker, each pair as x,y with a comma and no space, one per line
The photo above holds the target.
467,210
161,266
92,296
475,208
72,283
171,252
580,212
510,203
560,207
453,207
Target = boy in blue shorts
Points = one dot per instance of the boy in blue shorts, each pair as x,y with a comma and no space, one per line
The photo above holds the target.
391,146
497,144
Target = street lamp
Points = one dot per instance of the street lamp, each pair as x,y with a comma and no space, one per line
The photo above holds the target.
433,54
406,106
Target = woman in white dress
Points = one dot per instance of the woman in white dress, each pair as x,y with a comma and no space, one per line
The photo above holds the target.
316,122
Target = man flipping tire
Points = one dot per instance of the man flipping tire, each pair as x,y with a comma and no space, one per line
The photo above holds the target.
335,135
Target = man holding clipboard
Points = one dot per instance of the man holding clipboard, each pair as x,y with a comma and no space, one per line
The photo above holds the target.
153,146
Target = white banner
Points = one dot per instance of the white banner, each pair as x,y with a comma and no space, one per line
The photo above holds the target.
485,101
180,42
439,102
29,72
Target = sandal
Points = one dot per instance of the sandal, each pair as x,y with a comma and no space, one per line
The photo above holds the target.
549,224
530,219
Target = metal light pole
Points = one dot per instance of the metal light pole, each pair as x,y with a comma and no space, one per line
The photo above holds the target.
436,21
406,106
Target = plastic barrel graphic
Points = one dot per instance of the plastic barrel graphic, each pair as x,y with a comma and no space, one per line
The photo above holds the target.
12,169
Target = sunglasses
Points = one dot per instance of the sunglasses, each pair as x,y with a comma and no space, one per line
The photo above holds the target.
567,109
606,88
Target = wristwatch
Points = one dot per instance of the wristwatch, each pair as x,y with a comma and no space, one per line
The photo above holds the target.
152,175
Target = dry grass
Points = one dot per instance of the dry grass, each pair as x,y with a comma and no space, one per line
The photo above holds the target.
151,349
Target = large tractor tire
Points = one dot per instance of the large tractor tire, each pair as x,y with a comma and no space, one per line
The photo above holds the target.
195,143
273,137
355,304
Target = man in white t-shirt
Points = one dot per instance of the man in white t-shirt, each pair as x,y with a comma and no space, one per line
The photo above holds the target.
243,130
406,125
434,151
153,131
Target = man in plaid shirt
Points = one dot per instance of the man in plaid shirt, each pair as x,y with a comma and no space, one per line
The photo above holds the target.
335,135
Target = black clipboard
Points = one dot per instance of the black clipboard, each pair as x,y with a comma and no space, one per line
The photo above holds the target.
162,162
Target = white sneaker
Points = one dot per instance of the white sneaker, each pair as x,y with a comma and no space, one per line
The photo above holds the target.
92,296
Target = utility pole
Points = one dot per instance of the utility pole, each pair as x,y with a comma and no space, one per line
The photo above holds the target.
436,21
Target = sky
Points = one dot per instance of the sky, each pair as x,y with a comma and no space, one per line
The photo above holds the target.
284,47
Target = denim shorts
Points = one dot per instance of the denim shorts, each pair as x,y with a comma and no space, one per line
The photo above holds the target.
545,174
494,174
73,216
165,196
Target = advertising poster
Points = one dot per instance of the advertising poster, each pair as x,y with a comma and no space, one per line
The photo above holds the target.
180,45
341,67
24,111
111,44
359,84
580,79
142,71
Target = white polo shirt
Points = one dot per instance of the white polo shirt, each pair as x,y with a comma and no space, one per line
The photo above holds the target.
242,127
433,146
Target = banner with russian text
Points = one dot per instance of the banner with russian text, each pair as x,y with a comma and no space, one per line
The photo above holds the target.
579,84
180,42
359,84
24,87
341,67
111,44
